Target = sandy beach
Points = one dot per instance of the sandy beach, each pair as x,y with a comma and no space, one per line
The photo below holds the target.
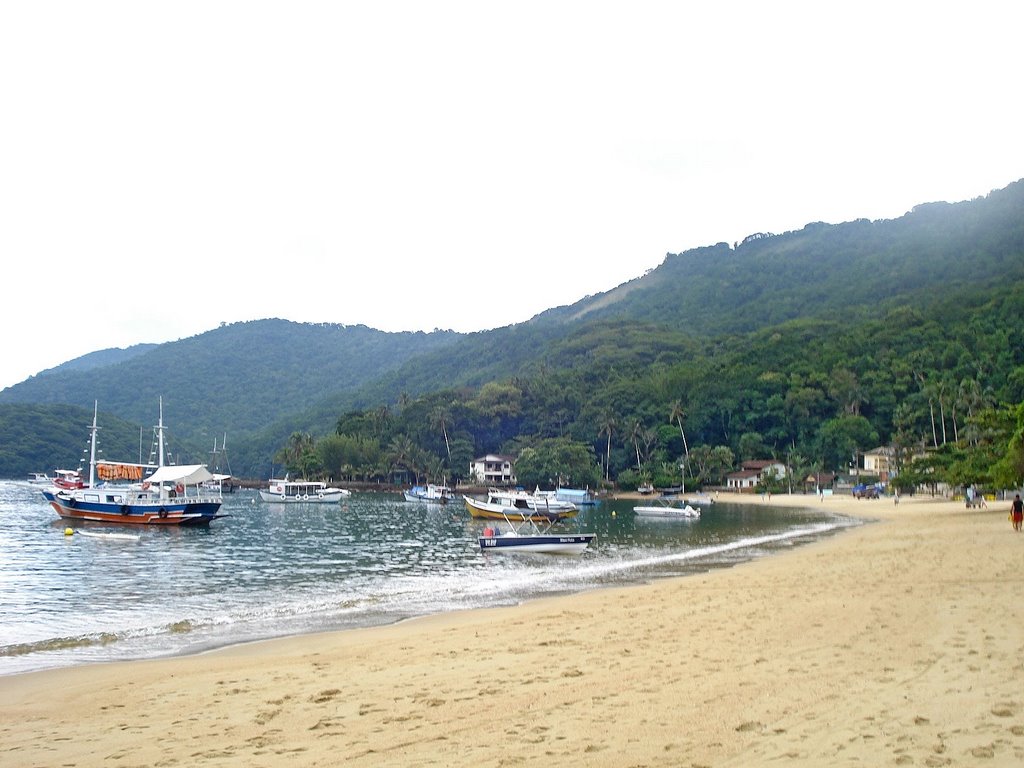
899,642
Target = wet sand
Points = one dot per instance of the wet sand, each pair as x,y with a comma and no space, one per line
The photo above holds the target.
900,642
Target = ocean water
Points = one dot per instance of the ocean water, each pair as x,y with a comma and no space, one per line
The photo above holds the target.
270,570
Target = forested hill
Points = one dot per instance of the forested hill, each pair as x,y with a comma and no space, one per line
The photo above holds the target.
773,305
236,379
855,270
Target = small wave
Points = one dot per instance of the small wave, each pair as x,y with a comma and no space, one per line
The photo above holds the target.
709,553
59,644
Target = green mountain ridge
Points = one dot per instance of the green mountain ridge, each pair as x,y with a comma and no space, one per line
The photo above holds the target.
254,381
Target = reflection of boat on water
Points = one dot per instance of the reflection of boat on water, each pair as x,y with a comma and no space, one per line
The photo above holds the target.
699,500
437,494
529,536
519,505
171,495
302,492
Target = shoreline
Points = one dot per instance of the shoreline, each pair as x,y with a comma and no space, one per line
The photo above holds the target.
898,642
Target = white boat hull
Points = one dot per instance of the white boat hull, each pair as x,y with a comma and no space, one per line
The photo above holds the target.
551,544
433,494
668,512
326,496
490,511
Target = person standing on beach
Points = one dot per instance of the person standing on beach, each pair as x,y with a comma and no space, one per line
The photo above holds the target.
1017,512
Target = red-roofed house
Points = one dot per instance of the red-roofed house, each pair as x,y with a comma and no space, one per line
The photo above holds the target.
751,473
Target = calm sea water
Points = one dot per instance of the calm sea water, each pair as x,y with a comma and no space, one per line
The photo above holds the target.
269,570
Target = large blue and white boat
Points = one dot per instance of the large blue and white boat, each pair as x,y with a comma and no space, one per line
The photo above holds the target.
123,493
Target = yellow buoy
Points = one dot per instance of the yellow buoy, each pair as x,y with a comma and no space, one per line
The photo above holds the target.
69,531
613,513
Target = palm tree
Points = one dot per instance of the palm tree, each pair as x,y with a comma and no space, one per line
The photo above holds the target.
973,398
677,413
942,392
635,436
401,453
929,391
608,425
382,419
293,454
439,418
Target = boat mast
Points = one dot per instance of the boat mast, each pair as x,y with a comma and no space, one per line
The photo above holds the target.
160,434
92,445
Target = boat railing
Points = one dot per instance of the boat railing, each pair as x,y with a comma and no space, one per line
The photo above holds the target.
189,495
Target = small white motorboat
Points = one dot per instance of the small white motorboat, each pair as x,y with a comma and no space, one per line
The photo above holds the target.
668,511
436,494
527,536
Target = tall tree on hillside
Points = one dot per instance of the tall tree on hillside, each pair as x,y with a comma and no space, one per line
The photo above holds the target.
650,439
677,414
402,453
382,420
971,399
608,425
847,391
929,391
942,389
295,451
440,417
634,438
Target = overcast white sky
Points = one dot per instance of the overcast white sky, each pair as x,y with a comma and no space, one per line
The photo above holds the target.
166,167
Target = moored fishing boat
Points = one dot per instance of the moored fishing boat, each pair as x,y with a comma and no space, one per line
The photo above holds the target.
530,537
40,478
121,493
437,494
699,500
668,510
285,491
519,505
581,497
68,479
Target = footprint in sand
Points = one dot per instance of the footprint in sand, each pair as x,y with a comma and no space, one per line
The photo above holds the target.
1004,709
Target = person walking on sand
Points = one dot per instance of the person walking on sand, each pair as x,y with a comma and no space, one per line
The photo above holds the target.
1017,512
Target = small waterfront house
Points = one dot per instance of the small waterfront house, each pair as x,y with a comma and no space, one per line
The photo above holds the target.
744,480
880,461
493,469
753,472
